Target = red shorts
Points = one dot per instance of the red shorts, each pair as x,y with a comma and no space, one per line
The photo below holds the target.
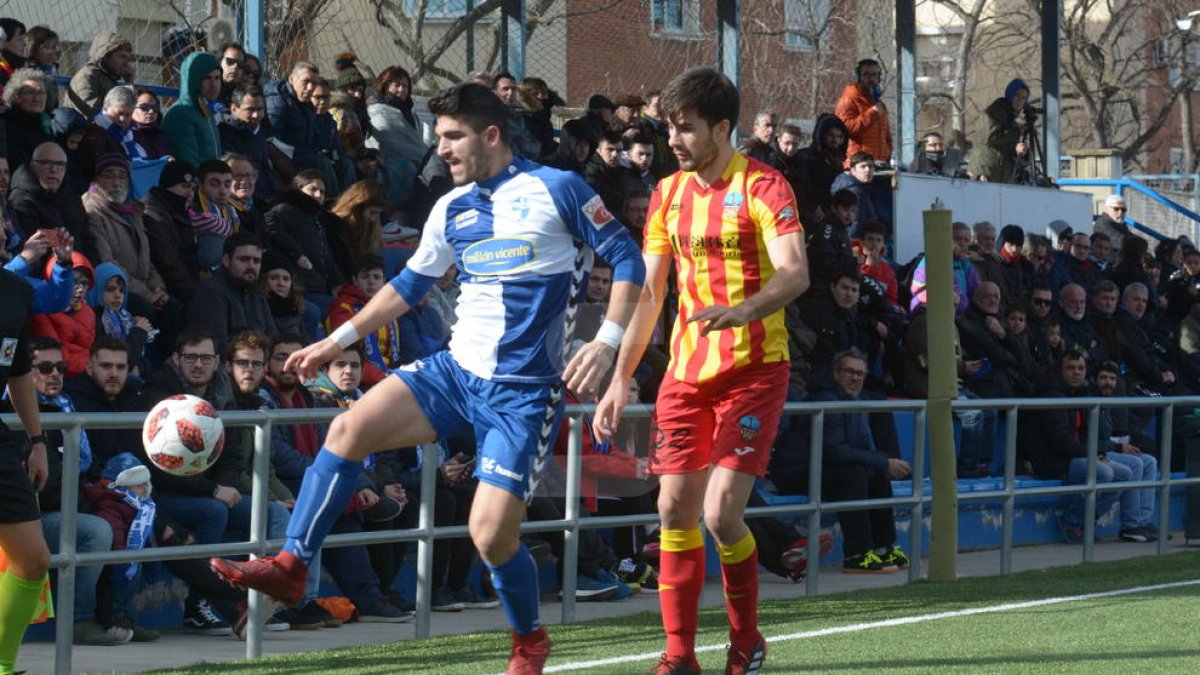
729,421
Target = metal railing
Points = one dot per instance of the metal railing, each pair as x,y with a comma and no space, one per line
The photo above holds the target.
1169,217
68,559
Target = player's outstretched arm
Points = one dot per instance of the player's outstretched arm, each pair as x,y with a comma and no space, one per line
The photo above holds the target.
789,281
633,345
383,308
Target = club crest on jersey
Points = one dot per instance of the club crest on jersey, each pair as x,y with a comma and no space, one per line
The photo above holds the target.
786,213
500,255
595,212
733,203
520,207
749,426
466,219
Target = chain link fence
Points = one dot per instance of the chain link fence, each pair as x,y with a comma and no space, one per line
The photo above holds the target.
1183,189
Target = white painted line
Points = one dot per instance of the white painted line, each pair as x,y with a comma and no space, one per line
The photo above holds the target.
901,621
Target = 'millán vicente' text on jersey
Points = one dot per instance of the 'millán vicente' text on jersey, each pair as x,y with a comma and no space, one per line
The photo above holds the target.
718,236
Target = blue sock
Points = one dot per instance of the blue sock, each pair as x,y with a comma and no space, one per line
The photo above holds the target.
327,487
516,582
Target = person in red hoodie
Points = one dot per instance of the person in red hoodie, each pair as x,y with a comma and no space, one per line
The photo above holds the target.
862,110
76,327
383,346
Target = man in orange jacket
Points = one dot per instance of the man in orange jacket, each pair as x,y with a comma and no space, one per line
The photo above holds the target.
862,110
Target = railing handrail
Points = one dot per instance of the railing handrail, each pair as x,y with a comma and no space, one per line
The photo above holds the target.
425,533
1126,182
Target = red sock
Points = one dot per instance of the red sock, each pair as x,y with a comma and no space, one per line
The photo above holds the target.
680,582
739,573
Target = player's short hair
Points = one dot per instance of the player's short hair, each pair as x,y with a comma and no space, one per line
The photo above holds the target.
791,130
704,90
289,339
473,103
845,197
851,353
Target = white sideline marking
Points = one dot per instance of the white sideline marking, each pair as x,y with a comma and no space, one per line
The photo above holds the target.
901,621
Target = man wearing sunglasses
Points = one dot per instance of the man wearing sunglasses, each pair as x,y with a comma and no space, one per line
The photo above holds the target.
92,533
233,63
1112,223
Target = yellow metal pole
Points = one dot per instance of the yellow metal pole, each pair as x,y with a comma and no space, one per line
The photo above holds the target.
943,388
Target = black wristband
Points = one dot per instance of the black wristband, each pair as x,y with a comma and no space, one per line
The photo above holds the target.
39,438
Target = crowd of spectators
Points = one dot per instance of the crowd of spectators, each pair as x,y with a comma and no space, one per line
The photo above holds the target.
271,216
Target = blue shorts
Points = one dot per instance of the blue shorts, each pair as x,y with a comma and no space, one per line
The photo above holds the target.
515,423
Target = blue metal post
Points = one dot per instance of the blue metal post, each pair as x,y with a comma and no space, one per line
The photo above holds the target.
906,81
255,29
512,37
1051,98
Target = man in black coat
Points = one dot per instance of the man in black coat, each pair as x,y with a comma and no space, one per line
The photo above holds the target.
229,301
38,199
817,166
986,340
172,240
106,389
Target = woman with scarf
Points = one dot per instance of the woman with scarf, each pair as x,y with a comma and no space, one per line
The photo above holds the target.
397,133
147,114
286,299
26,118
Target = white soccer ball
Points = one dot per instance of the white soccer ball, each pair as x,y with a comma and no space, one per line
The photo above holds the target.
183,435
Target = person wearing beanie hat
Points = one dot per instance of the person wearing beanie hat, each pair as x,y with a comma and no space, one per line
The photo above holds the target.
998,141
277,281
351,82
176,173
118,233
1016,268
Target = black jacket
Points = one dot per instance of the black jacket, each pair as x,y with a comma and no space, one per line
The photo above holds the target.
25,132
89,397
297,226
227,306
34,208
244,141
1004,376
1052,438
816,171
172,242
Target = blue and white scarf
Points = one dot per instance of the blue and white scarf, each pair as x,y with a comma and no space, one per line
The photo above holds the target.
64,403
140,528
124,136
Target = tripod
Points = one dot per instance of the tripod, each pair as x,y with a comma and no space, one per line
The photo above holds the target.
1030,168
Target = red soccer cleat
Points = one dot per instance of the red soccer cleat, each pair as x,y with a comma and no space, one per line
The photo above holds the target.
529,652
745,661
676,665
281,577
795,558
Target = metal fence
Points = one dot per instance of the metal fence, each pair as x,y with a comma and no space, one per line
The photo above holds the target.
67,559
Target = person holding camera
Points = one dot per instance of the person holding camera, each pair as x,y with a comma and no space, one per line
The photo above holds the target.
1000,137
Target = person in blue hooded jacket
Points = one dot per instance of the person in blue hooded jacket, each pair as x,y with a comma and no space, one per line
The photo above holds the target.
998,140
108,298
189,125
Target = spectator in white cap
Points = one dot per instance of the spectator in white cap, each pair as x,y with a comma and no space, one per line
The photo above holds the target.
1112,222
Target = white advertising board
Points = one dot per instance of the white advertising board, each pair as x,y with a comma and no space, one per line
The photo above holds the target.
972,201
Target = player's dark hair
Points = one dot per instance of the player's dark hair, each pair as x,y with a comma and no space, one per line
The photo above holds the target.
704,90
241,91
1108,366
194,334
872,226
289,339
474,104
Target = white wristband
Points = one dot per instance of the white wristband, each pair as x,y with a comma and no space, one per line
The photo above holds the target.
345,335
610,333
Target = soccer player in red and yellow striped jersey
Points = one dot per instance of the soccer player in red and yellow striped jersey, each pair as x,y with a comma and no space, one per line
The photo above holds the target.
729,223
